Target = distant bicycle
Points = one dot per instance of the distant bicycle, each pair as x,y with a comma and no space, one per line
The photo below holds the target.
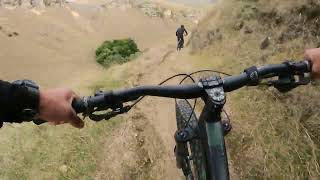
180,44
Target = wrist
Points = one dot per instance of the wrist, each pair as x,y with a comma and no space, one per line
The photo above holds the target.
27,94
43,102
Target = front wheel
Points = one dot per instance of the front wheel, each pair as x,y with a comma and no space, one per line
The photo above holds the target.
198,159
180,44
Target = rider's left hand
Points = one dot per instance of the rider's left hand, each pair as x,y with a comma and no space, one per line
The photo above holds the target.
55,107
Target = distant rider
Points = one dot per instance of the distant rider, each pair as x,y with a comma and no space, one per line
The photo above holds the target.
180,34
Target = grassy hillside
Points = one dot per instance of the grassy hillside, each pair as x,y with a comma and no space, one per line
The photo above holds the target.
56,48
275,135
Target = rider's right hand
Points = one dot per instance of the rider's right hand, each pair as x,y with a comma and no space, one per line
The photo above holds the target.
314,56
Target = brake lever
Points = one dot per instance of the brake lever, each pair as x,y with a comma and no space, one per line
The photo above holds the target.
287,82
109,115
100,117
304,80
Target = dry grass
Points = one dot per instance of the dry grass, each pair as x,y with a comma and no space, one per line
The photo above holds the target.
276,136
30,152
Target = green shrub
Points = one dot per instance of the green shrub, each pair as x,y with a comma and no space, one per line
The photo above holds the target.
116,51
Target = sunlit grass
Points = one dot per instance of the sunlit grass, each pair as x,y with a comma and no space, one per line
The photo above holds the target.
46,152
41,152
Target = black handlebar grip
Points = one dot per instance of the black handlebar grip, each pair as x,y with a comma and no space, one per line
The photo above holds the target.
39,121
79,105
303,66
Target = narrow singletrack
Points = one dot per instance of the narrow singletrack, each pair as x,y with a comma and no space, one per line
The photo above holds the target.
158,114
158,64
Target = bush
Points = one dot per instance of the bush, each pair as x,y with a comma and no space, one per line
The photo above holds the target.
116,51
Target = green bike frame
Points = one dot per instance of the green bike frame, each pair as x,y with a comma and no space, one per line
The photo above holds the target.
211,130
213,162
212,135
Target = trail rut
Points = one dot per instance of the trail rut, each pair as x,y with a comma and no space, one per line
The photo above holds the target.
158,64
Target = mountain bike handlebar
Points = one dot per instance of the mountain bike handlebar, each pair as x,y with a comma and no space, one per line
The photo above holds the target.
232,83
251,76
110,98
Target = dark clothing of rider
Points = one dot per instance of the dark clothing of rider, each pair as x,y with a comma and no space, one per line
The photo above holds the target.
180,32
13,99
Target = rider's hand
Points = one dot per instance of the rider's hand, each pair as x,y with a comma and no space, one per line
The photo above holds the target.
55,107
314,56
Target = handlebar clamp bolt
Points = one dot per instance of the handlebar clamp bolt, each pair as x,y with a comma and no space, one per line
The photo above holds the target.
253,75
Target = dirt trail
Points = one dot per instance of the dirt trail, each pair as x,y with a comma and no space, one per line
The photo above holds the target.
153,120
159,113
146,141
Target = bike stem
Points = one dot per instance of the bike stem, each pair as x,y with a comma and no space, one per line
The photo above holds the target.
210,129
214,99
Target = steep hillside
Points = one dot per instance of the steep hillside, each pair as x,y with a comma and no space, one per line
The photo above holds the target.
55,47
275,135
59,43
31,3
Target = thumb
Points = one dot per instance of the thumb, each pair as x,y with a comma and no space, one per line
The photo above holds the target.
75,120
